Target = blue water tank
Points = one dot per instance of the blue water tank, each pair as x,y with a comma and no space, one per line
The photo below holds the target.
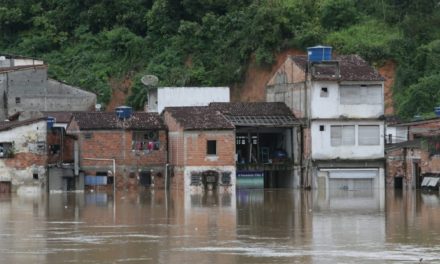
124,112
319,53
50,121
437,111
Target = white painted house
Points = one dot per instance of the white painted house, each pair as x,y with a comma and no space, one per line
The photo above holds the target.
23,156
341,101
159,98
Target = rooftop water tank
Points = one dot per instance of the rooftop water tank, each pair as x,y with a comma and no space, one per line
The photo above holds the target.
124,112
437,111
319,53
50,122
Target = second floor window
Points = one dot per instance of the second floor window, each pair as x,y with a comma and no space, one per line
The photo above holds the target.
368,135
211,147
342,135
353,95
145,140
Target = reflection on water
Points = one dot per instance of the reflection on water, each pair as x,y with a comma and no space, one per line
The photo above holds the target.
252,226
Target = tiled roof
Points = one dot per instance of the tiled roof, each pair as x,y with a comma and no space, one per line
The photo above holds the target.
109,120
199,118
257,113
60,117
351,67
252,109
6,125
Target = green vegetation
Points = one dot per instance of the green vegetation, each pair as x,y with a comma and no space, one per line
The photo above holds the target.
210,42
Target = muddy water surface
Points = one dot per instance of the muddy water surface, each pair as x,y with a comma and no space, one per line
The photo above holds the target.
271,226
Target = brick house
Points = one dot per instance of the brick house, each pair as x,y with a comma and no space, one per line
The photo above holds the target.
201,148
133,151
409,162
23,156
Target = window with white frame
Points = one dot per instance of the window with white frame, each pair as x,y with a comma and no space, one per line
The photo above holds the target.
342,135
368,135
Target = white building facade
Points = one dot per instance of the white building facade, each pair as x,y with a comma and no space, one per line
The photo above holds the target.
159,98
342,105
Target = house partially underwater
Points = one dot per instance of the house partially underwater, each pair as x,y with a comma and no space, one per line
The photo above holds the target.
340,100
267,145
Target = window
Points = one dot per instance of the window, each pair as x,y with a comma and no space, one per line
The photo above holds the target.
17,100
6,150
88,135
35,176
342,135
54,149
324,92
352,95
321,128
145,140
369,135
211,147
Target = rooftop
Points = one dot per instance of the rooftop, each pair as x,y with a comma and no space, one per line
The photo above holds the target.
257,113
199,118
6,125
109,121
351,68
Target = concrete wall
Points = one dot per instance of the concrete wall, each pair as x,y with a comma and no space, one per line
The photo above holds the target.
30,158
11,62
322,148
288,85
329,105
30,90
288,72
190,96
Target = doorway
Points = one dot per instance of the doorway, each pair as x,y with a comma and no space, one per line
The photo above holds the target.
210,179
5,187
398,182
417,174
145,178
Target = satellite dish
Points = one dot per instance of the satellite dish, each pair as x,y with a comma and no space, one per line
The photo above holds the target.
150,80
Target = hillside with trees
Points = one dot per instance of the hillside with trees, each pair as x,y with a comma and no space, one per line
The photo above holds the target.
211,42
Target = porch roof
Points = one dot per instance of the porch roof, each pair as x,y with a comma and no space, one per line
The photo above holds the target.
269,121
270,114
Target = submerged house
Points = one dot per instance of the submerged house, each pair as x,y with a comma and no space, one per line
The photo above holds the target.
125,148
201,149
268,152
415,163
26,89
340,100
63,172
23,156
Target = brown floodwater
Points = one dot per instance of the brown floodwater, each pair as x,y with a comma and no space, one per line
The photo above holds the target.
252,226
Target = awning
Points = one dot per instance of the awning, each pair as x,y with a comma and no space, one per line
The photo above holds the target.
430,181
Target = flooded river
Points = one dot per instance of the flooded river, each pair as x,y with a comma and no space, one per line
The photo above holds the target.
252,226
